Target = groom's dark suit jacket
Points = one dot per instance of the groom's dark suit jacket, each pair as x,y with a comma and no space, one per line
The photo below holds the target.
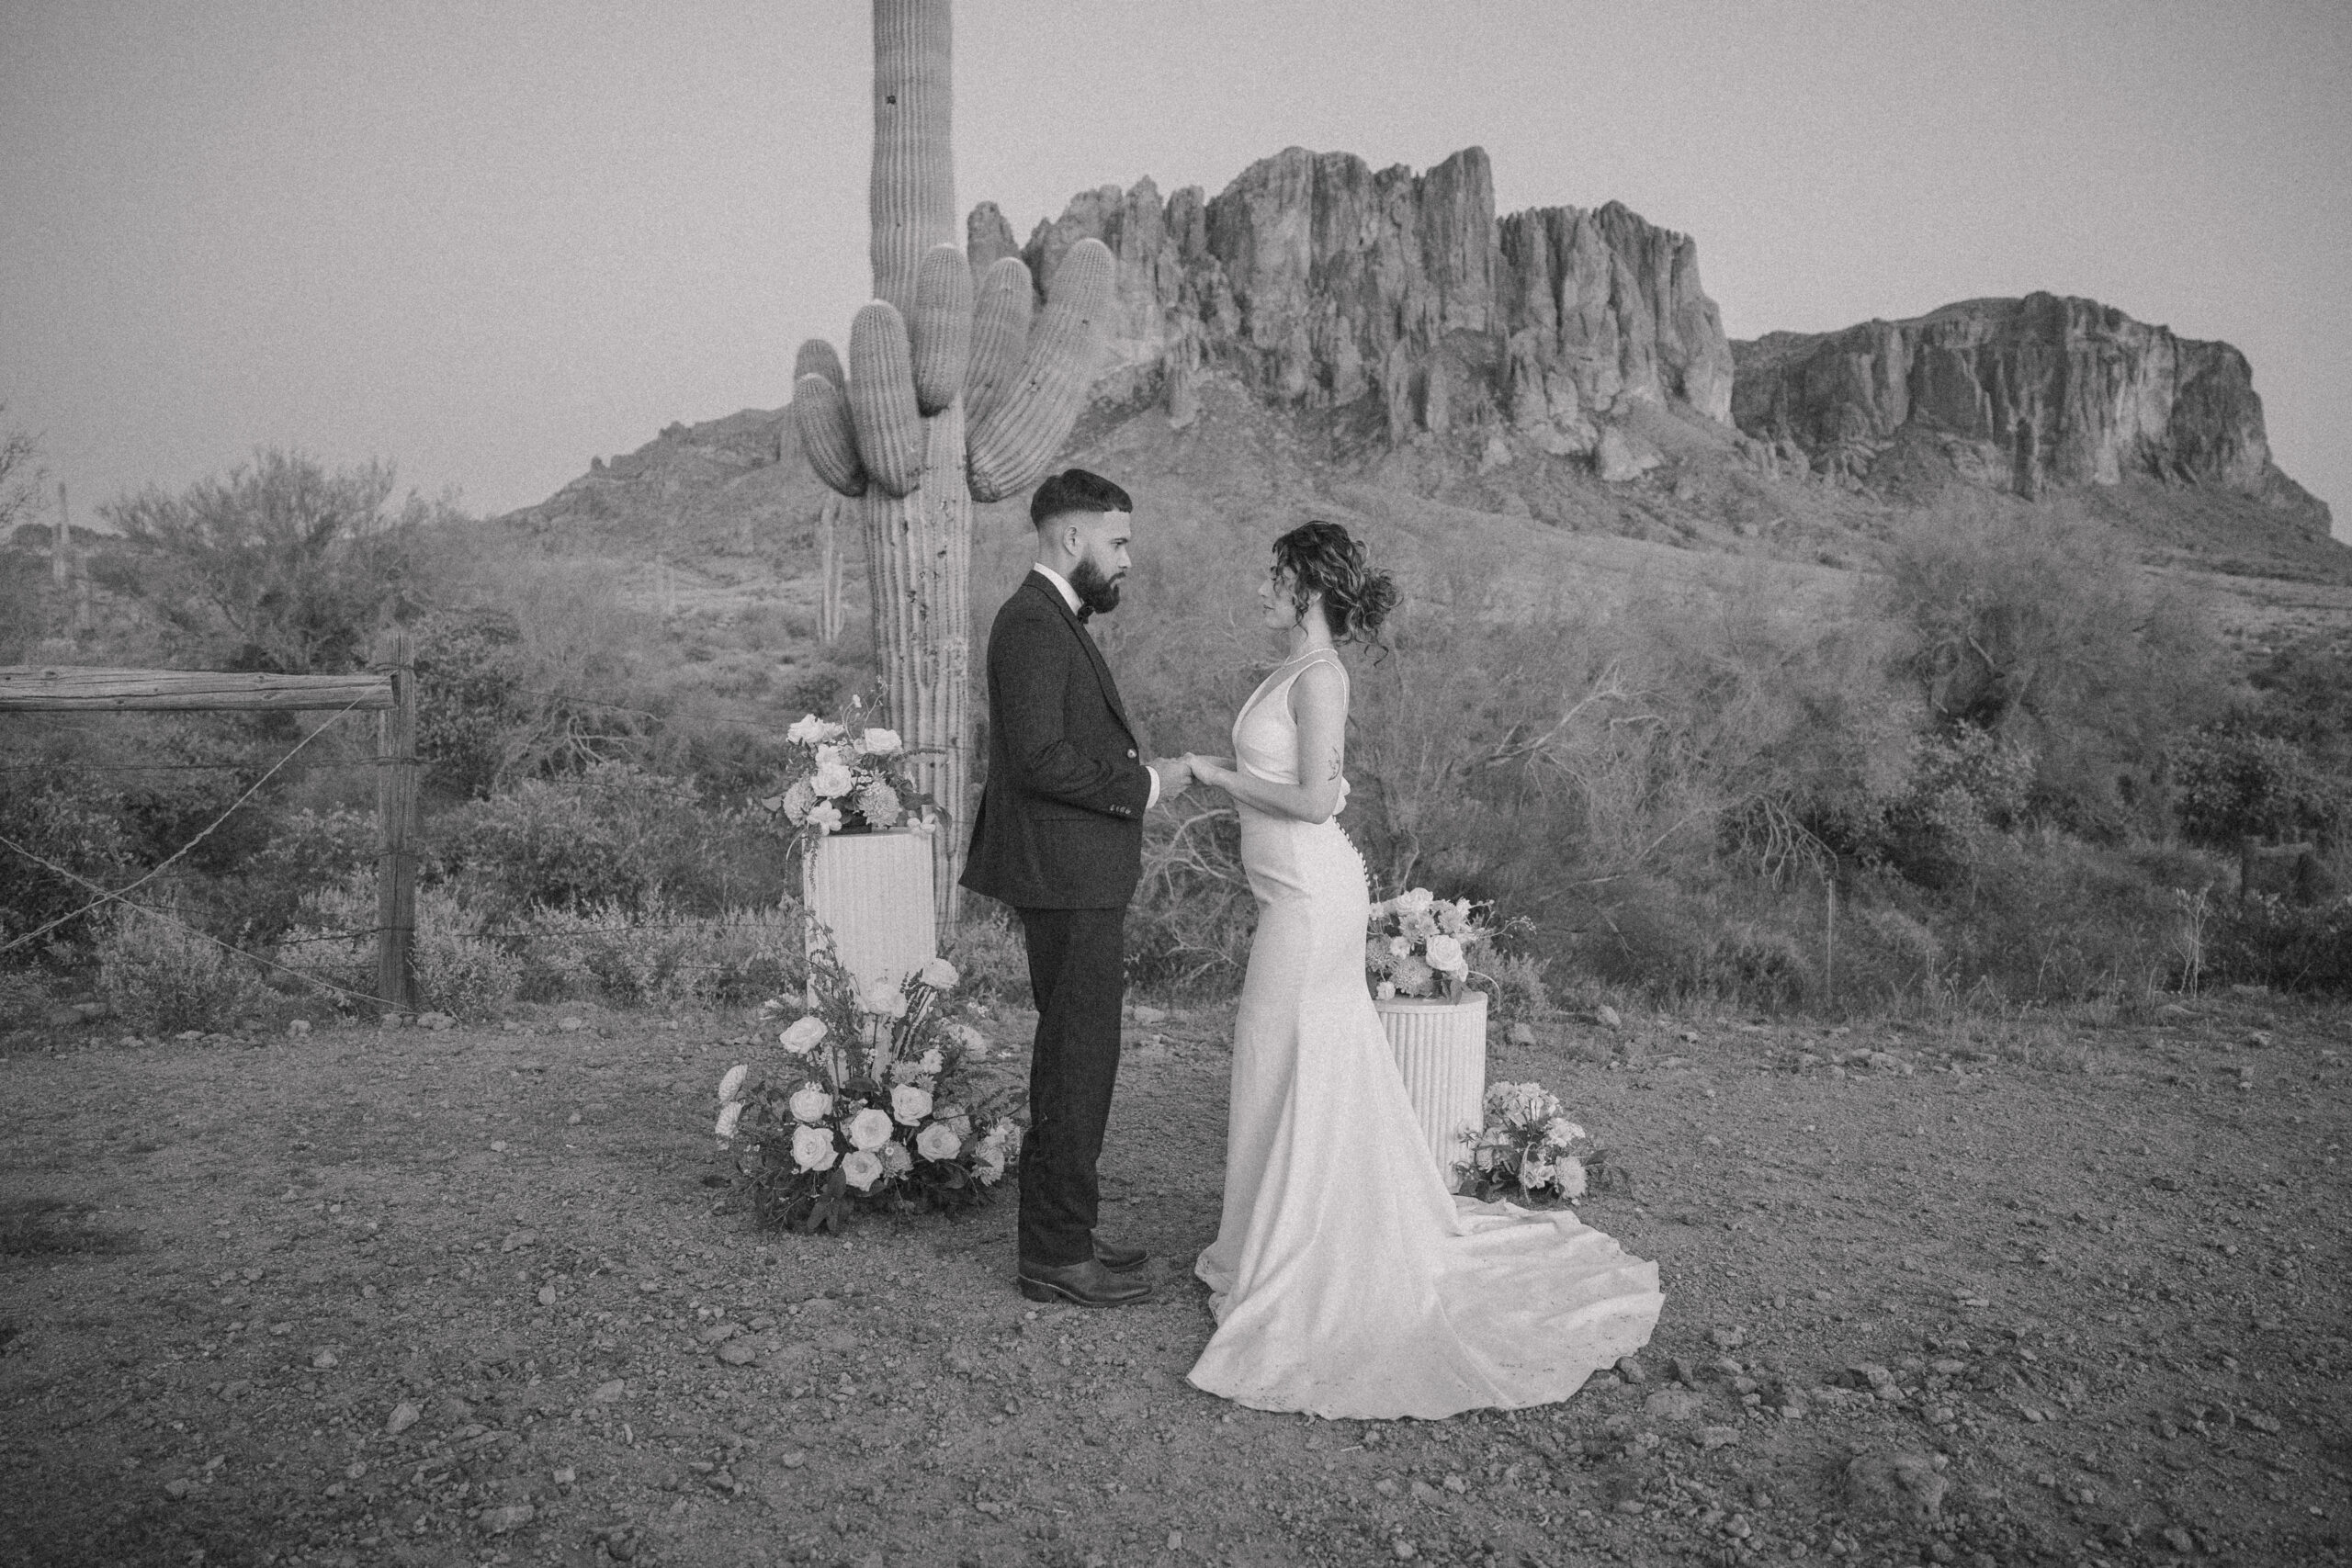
1060,824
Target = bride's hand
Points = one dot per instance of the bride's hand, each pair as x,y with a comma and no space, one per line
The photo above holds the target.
1211,770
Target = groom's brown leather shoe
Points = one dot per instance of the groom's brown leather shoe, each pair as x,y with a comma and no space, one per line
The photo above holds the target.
1119,1259
1086,1284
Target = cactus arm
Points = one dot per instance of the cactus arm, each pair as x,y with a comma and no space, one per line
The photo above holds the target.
1000,335
911,196
882,398
821,414
940,327
817,358
1014,444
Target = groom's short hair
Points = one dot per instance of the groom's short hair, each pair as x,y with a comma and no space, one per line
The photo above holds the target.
1075,490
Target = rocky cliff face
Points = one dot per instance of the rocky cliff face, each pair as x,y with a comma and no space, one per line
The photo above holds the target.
2025,394
1327,283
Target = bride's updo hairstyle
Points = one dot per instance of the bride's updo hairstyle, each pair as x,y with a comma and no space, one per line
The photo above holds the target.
1319,557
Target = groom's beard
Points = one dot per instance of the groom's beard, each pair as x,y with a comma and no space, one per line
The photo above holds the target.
1096,592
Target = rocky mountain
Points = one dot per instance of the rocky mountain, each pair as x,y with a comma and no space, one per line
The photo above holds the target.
1394,298
2024,395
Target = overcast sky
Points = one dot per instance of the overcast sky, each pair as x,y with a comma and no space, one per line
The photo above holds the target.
487,241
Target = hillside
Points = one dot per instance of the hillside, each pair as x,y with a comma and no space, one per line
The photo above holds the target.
1552,388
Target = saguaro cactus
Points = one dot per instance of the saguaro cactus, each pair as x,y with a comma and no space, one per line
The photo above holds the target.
925,362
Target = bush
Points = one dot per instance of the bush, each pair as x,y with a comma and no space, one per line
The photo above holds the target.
2019,623
63,825
23,998
988,950
2265,940
615,837
658,956
162,978
2230,783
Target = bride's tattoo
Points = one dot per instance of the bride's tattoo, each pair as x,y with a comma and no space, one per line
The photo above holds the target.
1336,760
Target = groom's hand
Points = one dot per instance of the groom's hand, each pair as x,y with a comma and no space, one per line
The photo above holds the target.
1175,776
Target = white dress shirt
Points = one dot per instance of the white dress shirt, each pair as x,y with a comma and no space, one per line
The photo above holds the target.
1069,597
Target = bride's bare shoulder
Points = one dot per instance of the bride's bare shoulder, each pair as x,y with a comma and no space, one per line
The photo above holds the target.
1321,686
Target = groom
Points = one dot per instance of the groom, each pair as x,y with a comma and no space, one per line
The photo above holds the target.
1059,837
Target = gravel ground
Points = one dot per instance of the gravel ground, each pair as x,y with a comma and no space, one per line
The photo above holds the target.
2048,1291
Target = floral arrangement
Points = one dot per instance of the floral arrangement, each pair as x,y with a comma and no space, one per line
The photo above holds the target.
874,1104
1421,945
844,778
1528,1149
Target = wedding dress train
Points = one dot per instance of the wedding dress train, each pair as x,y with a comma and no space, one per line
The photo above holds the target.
1346,1279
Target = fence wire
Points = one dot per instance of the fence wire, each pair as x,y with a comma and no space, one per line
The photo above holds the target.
118,896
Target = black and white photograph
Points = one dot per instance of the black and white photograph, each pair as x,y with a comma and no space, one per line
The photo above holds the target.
886,784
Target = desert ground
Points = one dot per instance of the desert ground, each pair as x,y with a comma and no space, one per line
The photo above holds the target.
2065,1288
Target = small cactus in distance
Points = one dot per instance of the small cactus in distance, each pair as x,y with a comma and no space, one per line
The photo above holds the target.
951,393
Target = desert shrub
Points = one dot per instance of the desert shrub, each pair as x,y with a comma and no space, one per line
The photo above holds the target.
459,969
2017,624
2266,940
1188,926
24,997
1519,989
986,949
331,937
657,955
281,565
2230,783
464,976
162,979
471,711
62,824
612,836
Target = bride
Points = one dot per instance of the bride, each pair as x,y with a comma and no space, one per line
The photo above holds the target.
1346,1278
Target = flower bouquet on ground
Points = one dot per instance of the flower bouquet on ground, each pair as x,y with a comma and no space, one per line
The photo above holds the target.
844,778
1421,945
1530,1152
873,1104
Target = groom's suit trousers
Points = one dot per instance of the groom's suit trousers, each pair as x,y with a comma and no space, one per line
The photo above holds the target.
1076,969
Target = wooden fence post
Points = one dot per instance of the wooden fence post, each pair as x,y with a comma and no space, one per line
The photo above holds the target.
396,804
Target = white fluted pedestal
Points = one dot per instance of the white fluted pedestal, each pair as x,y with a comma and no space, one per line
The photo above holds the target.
1440,1049
872,891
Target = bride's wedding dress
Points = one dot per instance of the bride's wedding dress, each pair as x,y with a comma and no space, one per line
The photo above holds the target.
1347,1280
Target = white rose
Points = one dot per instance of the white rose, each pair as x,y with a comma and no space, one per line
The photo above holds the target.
883,1000
938,1140
910,1103
803,1037
1571,1179
832,780
731,1082
1415,901
807,731
895,1158
862,1169
812,1148
729,1114
881,742
933,1061
870,1129
940,975
810,1104
825,817
1446,956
